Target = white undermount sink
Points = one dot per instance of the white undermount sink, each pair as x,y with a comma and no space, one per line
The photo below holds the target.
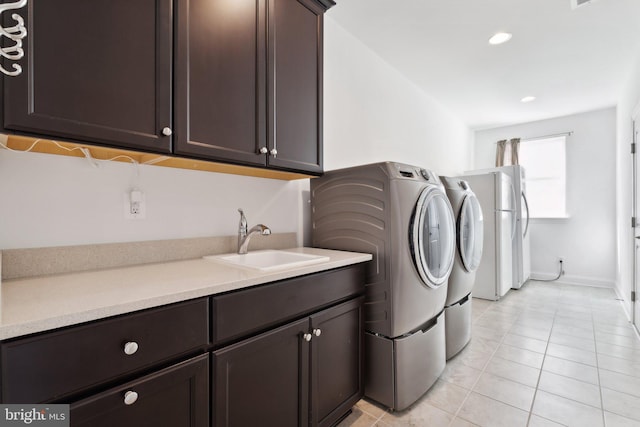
269,260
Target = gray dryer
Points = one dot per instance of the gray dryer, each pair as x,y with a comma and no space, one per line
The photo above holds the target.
401,215
469,243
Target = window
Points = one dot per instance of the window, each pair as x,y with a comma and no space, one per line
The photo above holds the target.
544,161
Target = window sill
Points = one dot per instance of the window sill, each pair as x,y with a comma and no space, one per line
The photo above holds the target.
550,218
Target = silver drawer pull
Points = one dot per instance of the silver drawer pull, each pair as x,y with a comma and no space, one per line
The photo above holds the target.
130,348
317,332
307,337
166,131
130,397
264,150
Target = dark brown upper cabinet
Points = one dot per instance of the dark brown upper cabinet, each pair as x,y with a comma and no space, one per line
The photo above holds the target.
249,82
295,85
220,66
96,71
246,82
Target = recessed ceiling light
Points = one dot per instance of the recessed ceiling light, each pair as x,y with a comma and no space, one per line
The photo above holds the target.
500,38
528,99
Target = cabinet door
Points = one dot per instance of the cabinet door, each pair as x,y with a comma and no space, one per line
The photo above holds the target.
174,397
220,80
295,85
96,71
263,381
337,350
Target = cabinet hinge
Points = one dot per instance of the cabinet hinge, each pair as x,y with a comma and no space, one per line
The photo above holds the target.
633,148
633,296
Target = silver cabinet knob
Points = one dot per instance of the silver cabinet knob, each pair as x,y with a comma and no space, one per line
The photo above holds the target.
264,150
274,152
130,397
130,348
166,131
317,332
307,337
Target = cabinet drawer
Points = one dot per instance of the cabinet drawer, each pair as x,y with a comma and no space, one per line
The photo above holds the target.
245,312
57,364
174,397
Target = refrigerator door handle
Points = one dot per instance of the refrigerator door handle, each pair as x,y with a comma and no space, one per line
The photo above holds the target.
526,204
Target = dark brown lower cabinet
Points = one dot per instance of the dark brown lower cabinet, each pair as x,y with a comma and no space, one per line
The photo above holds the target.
262,381
283,354
336,360
307,372
177,396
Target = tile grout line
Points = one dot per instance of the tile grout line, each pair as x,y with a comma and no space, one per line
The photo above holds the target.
544,357
597,370
483,370
604,420
595,342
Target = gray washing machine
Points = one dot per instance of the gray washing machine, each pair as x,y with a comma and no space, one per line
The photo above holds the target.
469,243
401,215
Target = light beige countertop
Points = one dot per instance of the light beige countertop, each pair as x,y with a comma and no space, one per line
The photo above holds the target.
43,303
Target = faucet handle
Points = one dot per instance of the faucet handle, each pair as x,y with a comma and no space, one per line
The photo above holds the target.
243,220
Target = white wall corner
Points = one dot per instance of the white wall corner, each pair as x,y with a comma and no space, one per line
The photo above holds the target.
635,114
304,213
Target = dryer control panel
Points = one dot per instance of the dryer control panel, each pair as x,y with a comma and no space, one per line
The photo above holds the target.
415,173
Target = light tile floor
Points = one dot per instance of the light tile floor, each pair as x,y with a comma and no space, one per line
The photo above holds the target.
545,355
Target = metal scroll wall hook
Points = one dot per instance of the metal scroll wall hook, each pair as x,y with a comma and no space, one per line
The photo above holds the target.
14,34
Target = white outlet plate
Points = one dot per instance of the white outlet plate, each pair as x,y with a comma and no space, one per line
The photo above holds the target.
142,209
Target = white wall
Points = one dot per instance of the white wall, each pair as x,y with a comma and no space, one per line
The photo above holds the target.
51,200
374,113
629,99
587,240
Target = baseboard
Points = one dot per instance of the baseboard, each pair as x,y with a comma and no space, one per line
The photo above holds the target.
575,280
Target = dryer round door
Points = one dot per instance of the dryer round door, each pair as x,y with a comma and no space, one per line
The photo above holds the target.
432,237
470,233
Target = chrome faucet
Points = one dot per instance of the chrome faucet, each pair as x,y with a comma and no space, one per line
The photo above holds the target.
244,236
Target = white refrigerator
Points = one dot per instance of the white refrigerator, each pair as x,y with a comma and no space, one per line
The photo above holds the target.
495,193
521,241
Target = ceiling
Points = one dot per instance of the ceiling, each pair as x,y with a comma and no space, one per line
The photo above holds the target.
571,60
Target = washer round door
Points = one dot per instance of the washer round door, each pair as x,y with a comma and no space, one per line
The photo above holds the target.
470,233
432,237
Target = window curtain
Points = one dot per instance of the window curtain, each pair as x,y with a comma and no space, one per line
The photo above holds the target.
515,149
500,152
507,152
